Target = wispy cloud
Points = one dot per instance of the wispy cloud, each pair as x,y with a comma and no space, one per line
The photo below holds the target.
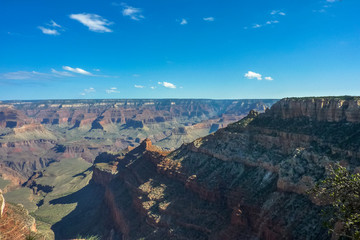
62,73
272,22
52,29
328,4
274,15
131,12
52,74
77,70
138,86
167,85
94,22
257,26
89,90
48,31
152,87
209,19
183,21
54,24
277,12
269,78
24,75
112,90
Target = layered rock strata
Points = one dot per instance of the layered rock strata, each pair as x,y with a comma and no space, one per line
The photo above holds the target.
246,181
34,134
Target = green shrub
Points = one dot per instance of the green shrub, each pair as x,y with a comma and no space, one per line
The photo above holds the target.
340,190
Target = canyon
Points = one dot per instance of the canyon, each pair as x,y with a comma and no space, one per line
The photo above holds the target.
248,180
245,180
47,146
33,134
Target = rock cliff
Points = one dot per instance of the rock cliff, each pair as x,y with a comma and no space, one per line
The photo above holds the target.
245,181
329,109
15,222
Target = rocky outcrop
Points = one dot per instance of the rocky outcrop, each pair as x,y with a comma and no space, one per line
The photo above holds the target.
15,222
329,109
2,204
246,181
11,118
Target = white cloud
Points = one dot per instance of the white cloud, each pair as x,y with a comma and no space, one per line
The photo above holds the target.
62,73
49,31
34,75
183,21
167,84
256,25
252,75
94,22
152,87
277,12
24,75
52,30
138,86
112,90
272,22
97,70
269,78
133,13
209,19
274,13
77,70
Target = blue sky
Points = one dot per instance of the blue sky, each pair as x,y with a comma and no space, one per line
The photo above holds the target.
179,49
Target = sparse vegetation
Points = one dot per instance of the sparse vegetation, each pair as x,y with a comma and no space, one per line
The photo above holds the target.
88,237
341,189
31,236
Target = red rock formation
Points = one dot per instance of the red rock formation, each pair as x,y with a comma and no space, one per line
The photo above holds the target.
15,223
253,175
83,112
